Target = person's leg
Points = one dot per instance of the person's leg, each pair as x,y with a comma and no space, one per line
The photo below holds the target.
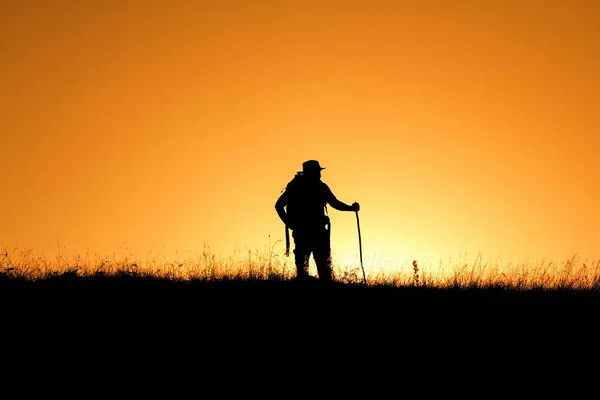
301,253
322,255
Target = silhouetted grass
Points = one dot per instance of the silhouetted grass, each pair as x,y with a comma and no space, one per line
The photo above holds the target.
266,276
277,290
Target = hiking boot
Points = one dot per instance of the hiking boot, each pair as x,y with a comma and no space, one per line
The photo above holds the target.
305,278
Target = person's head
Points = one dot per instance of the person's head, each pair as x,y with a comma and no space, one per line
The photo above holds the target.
312,169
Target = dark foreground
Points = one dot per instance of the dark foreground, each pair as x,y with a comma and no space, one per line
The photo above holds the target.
137,294
282,309
272,293
231,293
133,324
119,304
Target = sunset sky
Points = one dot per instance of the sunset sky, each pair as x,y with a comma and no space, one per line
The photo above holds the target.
461,127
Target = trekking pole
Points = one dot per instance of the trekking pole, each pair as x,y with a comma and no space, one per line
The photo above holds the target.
360,249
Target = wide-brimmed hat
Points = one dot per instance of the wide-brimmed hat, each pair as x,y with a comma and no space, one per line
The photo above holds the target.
311,165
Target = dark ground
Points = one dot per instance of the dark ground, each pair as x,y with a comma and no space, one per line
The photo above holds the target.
250,293
107,330
131,296
132,302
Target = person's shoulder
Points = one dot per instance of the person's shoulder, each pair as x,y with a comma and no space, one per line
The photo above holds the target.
326,188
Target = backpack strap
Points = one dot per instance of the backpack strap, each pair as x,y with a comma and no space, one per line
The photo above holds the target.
287,230
287,241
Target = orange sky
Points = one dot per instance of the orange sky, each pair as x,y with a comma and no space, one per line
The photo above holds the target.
161,126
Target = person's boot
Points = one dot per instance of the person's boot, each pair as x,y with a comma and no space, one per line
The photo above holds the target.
302,273
325,271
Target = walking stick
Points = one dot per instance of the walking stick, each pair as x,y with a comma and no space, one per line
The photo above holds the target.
360,249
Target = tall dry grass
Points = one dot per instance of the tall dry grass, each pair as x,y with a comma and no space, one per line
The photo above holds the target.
270,263
573,273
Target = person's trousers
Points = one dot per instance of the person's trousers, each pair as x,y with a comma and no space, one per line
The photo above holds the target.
315,242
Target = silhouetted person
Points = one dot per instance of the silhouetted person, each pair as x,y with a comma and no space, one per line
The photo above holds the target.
302,207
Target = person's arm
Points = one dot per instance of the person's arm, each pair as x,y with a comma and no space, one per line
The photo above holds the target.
280,207
339,205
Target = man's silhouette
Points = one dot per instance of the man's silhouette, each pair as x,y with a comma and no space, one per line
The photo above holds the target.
302,208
